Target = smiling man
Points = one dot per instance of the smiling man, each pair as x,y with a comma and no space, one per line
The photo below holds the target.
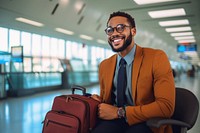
136,83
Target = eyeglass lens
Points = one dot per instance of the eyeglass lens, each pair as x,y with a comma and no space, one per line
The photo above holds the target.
119,28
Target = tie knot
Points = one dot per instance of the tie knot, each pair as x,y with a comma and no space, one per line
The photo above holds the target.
122,62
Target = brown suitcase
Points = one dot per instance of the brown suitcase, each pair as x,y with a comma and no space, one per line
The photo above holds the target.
80,107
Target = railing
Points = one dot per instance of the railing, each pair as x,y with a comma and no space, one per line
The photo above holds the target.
29,80
36,74
21,83
83,78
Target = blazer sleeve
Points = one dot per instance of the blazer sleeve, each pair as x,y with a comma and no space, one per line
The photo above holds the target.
162,90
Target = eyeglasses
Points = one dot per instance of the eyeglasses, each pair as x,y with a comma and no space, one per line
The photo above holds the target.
119,28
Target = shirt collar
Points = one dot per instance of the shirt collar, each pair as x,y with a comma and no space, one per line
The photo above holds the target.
129,57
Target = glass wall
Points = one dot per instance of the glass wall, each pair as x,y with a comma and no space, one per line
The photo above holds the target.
44,62
35,45
26,43
3,39
14,38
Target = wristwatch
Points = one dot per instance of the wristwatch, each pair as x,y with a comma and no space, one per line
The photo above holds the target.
121,112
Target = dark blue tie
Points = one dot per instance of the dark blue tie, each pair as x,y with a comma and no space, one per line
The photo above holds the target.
121,83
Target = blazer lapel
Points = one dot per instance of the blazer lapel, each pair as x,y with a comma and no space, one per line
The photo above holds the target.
135,71
110,70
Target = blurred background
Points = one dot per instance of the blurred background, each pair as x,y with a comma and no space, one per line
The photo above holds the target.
48,45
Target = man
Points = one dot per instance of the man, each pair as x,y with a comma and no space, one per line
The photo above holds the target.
148,91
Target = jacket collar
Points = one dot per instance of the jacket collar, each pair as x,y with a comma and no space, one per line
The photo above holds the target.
135,71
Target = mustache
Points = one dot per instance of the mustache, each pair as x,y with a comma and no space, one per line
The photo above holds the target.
116,36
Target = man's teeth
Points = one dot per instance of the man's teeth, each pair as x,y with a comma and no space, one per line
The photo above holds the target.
117,40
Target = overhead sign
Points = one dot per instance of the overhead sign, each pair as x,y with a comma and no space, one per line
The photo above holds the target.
185,48
17,53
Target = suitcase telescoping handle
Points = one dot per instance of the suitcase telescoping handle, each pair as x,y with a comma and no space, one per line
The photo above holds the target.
81,88
77,87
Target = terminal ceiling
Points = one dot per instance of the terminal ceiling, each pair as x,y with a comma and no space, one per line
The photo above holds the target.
89,17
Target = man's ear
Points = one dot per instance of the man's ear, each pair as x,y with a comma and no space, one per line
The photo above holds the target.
133,31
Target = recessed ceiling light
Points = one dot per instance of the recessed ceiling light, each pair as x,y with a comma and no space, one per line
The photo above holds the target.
173,22
101,41
86,37
184,37
64,31
28,21
143,2
178,29
182,34
187,41
167,13
64,2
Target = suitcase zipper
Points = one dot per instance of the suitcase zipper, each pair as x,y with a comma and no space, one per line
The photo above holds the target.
87,109
68,98
48,121
60,113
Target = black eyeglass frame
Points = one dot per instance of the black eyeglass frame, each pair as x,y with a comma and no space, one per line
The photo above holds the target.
122,26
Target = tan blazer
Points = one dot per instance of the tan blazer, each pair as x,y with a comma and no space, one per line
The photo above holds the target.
153,88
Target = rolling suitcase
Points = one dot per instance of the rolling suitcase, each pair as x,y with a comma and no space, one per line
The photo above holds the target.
71,113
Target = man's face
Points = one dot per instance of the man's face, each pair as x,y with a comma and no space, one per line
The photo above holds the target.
121,39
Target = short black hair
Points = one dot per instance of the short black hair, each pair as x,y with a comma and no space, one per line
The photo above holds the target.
123,14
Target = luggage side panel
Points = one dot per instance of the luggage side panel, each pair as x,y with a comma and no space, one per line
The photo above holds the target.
93,105
56,122
74,107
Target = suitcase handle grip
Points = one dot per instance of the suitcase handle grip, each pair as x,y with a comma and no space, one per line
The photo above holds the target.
77,87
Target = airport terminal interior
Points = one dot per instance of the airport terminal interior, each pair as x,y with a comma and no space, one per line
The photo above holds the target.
25,114
46,46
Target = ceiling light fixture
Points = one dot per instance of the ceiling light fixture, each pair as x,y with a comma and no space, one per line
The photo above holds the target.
173,22
187,41
64,31
167,13
64,2
101,41
184,37
187,28
86,37
143,2
182,34
28,21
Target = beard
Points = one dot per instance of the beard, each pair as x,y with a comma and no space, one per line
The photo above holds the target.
125,45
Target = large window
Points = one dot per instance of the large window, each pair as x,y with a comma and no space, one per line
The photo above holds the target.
54,47
93,56
44,49
36,45
14,38
26,43
108,53
61,49
100,54
3,39
68,50
45,46
27,65
85,54
75,50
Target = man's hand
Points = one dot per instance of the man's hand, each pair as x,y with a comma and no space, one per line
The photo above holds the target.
107,111
96,97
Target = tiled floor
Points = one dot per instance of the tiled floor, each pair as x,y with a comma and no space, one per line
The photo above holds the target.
25,114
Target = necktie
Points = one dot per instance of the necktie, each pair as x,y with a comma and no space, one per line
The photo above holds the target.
121,83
